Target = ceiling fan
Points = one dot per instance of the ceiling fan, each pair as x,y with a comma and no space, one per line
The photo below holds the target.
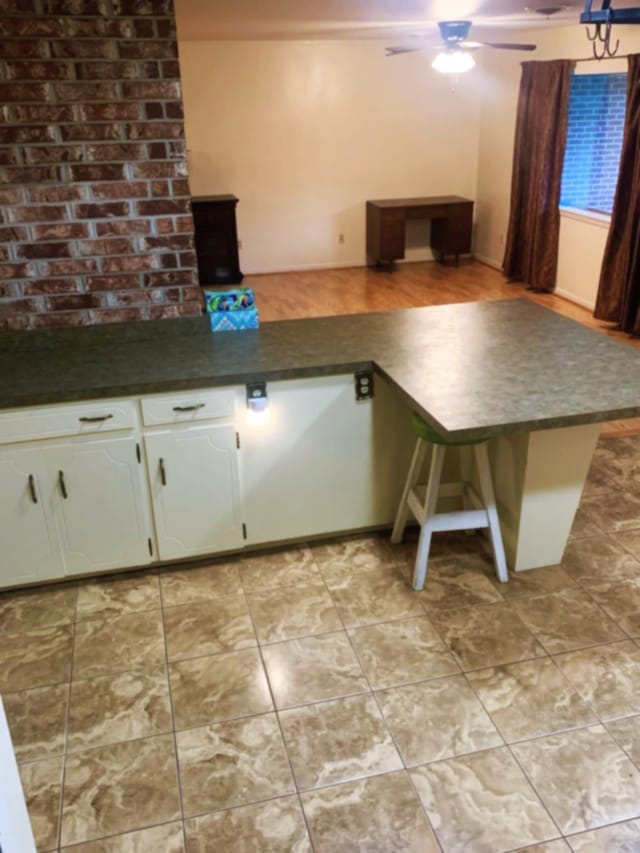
455,56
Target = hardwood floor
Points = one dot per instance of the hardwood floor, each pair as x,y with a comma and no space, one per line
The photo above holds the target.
320,293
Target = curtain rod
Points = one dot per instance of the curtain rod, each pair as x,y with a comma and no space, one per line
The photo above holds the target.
602,58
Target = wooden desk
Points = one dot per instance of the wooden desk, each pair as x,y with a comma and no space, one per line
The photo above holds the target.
451,223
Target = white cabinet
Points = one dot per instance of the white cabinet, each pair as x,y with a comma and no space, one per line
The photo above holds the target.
99,504
324,462
193,474
30,549
75,505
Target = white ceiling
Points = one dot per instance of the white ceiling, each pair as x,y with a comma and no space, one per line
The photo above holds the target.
385,19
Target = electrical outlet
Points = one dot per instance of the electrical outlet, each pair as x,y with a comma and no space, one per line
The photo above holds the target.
340,238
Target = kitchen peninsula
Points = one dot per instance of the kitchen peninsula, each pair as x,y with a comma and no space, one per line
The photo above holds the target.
154,415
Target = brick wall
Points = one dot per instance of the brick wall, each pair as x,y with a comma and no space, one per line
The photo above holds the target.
95,220
594,138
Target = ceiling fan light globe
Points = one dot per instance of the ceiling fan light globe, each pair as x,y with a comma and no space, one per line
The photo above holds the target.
453,62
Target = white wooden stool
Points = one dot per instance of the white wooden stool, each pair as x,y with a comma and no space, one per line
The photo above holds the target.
422,501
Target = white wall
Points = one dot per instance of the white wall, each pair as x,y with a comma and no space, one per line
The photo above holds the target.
581,241
304,132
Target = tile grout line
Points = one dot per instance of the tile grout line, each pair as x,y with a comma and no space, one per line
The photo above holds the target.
65,747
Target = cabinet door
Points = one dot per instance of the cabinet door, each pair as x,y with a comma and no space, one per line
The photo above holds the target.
194,486
99,504
29,550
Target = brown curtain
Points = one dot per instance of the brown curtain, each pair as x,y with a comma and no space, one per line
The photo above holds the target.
618,297
531,253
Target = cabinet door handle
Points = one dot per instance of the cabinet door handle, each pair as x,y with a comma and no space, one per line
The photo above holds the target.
62,484
163,473
193,408
32,489
95,420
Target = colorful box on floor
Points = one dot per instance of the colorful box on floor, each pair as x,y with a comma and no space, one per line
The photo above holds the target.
230,310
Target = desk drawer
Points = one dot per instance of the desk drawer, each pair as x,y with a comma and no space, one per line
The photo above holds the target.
66,419
188,406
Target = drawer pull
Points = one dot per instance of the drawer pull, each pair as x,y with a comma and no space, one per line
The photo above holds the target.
32,489
95,420
62,484
193,408
163,473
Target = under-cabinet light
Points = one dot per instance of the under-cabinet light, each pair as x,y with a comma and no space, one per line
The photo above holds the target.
257,403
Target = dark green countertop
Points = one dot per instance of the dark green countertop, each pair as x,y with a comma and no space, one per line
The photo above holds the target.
473,369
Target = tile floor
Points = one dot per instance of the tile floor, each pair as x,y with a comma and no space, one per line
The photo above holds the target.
310,700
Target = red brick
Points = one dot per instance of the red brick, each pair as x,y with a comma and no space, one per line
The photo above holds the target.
165,295
37,213
12,306
180,187
174,242
167,28
72,302
97,172
116,315
45,251
95,91
117,227
192,294
58,154
123,298
15,323
58,320
152,90
119,111
147,49
61,231
34,27
62,192
101,211
165,279
37,70
155,130
24,49
157,150
143,29
166,312
79,7
10,290
168,261
177,149
118,189
166,207
112,282
11,195
83,48
130,263
156,8
75,266
91,132
9,156
109,70
117,246
25,135
153,110
112,151
22,92
10,235
184,223
170,69
160,189
29,174
187,259
154,170
15,271
174,110
51,285
42,112
165,226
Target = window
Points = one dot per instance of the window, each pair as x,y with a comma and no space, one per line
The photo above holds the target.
594,139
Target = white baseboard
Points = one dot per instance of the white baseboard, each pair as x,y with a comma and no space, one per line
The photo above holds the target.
571,297
329,265
490,262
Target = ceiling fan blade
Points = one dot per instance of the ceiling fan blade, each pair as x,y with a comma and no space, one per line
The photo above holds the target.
503,45
395,51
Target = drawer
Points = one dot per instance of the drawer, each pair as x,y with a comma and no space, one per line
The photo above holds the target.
188,406
66,419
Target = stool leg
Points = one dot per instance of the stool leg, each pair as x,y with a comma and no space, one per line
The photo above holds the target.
430,501
486,487
466,475
412,479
